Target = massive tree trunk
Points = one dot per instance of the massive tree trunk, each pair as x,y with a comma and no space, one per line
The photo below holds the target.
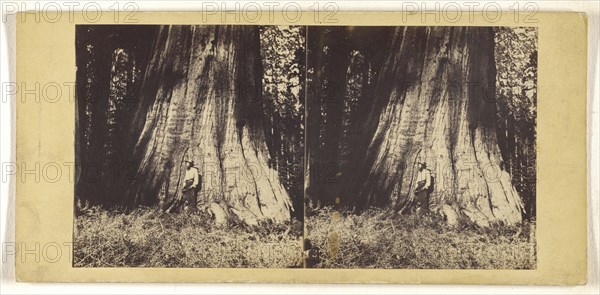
201,100
432,99
438,88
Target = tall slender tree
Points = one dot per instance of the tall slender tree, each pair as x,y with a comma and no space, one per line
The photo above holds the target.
109,59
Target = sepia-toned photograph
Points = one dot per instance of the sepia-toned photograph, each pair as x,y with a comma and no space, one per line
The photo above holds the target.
229,146
191,140
352,148
421,147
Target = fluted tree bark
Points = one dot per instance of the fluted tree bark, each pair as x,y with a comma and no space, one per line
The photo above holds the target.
201,100
431,98
437,92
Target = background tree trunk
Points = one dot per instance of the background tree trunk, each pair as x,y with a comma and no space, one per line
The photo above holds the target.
283,59
201,100
109,59
516,93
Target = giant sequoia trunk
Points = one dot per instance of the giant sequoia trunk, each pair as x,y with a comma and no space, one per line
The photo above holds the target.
432,100
201,100
438,89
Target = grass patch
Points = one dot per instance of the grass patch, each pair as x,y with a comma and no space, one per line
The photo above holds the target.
149,238
374,239
146,237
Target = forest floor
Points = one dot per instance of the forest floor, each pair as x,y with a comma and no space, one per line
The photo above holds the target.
149,238
373,239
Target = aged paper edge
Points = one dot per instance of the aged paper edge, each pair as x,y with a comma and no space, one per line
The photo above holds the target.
45,210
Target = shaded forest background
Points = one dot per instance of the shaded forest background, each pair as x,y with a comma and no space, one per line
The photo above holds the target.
516,58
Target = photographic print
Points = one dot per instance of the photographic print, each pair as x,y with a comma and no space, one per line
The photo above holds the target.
421,146
191,140
387,147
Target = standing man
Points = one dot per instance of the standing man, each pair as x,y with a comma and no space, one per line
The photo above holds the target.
422,188
191,186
